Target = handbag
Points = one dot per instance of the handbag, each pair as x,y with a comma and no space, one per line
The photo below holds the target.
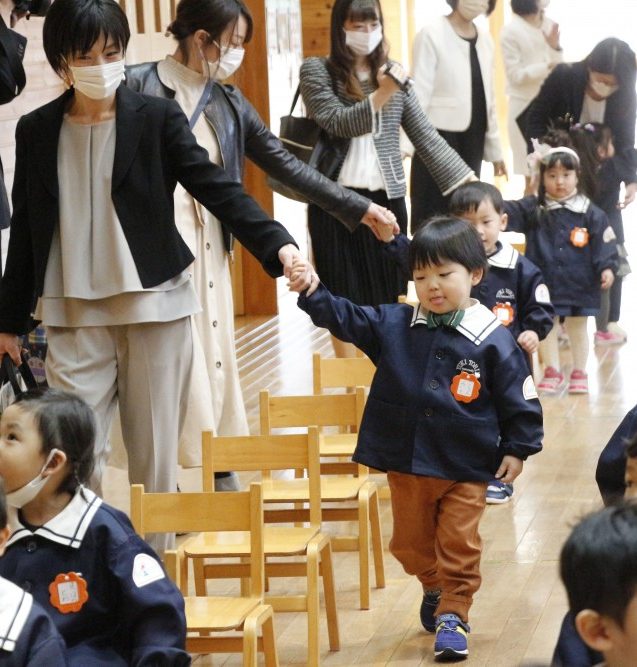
14,381
35,346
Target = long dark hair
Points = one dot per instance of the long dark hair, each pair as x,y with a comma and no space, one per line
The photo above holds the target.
341,60
612,56
587,140
213,16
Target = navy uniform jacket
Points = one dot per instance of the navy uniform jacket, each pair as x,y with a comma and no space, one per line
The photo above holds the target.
28,637
412,423
134,614
572,274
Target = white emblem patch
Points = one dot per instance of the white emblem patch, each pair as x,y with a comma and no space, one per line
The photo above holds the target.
528,389
542,294
609,235
146,569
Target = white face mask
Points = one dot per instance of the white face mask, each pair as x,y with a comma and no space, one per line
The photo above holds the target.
98,81
228,63
471,9
363,43
25,494
602,89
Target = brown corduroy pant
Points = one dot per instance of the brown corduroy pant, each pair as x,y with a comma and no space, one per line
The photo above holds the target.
436,535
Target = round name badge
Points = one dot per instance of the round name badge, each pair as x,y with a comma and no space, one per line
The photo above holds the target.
579,236
465,387
504,313
68,592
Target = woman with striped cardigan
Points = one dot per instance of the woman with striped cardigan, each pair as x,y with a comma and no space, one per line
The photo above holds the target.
363,108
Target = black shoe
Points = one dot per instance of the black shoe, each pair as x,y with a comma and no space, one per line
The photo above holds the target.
428,610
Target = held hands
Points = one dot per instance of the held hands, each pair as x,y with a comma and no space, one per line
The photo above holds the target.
629,195
607,279
509,469
382,222
529,341
299,272
9,345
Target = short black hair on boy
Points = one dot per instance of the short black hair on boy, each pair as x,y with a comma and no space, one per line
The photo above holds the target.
598,562
454,3
73,26
524,7
468,197
4,516
65,422
447,239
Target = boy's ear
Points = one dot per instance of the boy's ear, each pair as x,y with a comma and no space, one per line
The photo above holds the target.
504,221
593,629
57,462
476,276
4,537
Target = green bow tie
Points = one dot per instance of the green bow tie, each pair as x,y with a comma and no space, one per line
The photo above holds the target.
451,319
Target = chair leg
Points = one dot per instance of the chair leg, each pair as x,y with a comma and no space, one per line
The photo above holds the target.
250,642
269,644
377,539
329,592
200,581
363,547
313,643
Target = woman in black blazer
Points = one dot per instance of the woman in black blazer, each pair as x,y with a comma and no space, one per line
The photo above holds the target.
94,247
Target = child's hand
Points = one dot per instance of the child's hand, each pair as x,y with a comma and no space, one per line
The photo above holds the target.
381,221
298,276
607,278
509,469
529,341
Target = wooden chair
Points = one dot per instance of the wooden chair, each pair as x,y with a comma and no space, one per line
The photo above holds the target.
352,497
229,513
300,550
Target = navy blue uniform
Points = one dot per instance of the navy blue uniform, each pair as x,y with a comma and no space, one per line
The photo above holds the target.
412,421
28,637
572,273
134,614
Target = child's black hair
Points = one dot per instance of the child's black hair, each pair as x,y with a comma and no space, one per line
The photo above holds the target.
4,515
468,197
73,26
597,563
588,139
447,239
65,422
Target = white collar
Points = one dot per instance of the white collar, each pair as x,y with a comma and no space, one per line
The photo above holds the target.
477,324
505,257
68,527
15,605
578,203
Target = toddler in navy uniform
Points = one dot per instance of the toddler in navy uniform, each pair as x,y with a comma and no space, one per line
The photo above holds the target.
102,585
451,405
28,637
572,243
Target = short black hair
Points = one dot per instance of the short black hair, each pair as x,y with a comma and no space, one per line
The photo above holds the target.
598,563
454,3
524,7
447,239
469,196
73,26
65,422
4,516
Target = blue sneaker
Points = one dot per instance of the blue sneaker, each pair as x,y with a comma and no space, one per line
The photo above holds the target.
428,610
451,638
499,492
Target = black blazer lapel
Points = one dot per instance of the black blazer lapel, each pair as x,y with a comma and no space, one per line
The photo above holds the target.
129,125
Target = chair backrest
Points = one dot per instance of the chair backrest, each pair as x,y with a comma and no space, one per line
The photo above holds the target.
265,453
311,410
204,512
334,372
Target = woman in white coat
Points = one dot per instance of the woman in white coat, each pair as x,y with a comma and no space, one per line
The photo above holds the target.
530,45
453,79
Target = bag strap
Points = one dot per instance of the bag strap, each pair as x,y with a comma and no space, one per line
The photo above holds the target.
9,371
13,55
297,94
203,100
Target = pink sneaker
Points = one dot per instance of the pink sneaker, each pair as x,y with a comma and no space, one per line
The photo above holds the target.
551,381
603,338
578,383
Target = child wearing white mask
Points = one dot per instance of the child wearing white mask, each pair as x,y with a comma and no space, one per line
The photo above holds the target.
453,65
102,586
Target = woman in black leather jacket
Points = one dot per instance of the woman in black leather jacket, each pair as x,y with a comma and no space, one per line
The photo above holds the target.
211,35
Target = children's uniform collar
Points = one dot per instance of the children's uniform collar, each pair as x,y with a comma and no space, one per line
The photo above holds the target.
15,605
68,527
578,203
477,324
505,256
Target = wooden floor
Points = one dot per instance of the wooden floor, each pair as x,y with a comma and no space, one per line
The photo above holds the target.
517,612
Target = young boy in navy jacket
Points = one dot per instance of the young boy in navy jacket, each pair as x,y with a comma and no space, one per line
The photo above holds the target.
451,405
28,637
